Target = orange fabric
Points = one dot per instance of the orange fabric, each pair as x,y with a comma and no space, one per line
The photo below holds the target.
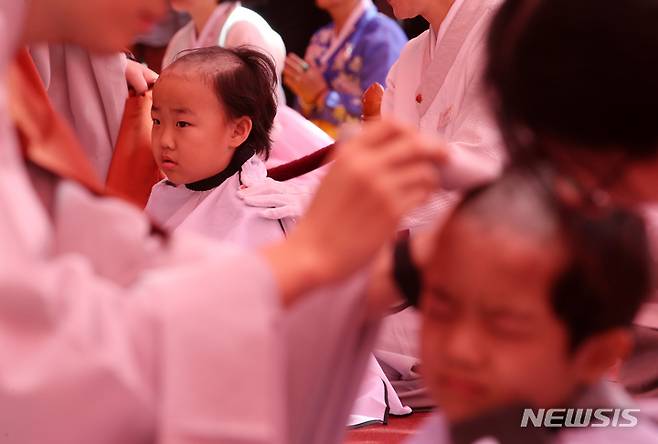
133,170
47,140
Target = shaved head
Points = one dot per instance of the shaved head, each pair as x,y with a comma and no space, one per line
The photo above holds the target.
206,64
596,263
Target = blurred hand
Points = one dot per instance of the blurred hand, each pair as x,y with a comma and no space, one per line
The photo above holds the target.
377,177
304,79
139,77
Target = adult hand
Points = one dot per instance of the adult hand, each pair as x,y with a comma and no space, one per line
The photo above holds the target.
377,177
139,77
304,79
277,200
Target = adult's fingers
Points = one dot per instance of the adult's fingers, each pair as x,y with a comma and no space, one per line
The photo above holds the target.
366,139
281,212
291,73
271,200
297,61
135,78
417,175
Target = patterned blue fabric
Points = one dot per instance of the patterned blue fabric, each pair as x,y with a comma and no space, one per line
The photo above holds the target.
364,57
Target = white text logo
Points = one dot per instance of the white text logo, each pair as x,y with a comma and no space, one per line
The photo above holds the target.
579,418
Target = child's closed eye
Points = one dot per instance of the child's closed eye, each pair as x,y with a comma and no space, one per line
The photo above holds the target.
511,327
439,307
183,124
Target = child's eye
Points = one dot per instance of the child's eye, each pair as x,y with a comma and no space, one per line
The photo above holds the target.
510,329
156,121
182,124
440,309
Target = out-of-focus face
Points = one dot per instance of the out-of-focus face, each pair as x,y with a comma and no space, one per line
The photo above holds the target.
190,5
406,9
331,4
104,25
192,133
490,338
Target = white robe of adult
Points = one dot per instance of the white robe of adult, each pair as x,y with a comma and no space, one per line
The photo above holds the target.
90,91
110,334
436,86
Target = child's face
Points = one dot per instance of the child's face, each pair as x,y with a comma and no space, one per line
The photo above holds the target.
192,137
490,337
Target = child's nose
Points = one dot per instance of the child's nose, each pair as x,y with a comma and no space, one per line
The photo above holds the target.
465,346
167,140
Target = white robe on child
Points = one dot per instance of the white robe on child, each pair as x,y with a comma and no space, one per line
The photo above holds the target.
436,86
218,212
111,334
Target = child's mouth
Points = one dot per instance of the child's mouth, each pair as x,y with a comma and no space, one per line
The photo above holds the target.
168,164
462,386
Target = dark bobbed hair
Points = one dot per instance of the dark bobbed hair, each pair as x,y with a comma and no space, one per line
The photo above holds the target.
583,72
244,80
607,275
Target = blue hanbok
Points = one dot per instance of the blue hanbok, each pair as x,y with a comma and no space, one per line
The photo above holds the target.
361,54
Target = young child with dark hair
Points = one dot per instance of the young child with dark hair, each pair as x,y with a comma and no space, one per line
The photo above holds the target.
528,303
228,24
212,113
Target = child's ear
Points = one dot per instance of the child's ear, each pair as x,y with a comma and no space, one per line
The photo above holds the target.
241,130
600,353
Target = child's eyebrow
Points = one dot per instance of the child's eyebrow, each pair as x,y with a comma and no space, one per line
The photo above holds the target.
154,108
182,111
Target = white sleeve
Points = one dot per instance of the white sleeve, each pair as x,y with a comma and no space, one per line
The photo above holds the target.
111,335
329,337
92,361
474,139
388,102
120,337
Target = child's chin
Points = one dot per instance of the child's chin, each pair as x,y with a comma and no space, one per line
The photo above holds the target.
466,410
175,180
